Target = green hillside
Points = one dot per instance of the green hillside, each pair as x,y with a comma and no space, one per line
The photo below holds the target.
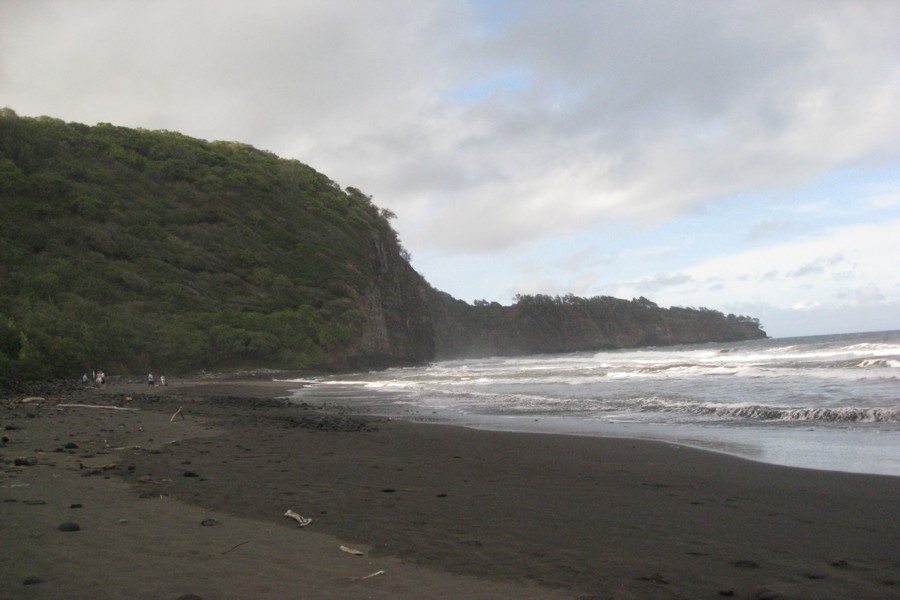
129,250
133,251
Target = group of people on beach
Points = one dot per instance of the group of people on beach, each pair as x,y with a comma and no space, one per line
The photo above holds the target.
98,377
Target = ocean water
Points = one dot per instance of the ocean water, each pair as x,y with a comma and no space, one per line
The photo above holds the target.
825,402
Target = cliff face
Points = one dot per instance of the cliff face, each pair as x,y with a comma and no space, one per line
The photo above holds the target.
541,324
398,329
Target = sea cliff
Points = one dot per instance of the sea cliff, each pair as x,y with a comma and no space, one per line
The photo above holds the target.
130,250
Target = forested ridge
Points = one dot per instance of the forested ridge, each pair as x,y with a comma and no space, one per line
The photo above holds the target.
553,324
132,250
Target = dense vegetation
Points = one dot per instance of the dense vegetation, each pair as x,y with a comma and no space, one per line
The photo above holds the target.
132,251
129,250
553,324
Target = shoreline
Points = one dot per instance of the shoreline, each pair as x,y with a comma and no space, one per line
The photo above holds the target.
794,447
821,446
444,511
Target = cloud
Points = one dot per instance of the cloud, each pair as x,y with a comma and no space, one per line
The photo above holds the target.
660,282
483,128
586,258
866,295
818,320
660,118
767,228
831,269
817,266
499,132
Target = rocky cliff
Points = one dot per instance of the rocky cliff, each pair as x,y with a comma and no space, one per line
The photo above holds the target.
131,250
544,324
397,329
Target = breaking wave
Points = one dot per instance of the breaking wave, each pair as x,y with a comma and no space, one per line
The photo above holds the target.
823,402
822,415
844,379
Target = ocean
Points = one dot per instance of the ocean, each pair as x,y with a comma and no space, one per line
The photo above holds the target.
824,402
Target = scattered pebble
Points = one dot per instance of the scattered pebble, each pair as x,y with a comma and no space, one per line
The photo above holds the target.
32,580
25,461
191,474
76,505
655,578
745,564
209,522
69,526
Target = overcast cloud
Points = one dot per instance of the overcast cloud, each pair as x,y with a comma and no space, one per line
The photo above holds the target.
743,156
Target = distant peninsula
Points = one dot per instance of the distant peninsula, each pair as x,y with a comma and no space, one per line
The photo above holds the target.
131,250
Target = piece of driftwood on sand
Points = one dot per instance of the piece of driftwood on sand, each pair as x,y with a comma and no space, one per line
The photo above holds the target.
100,406
301,520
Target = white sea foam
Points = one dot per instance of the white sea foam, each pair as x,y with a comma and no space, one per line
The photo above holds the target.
830,384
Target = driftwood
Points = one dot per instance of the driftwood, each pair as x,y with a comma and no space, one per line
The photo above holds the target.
375,574
301,520
352,551
106,467
154,481
103,406
236,546
177,412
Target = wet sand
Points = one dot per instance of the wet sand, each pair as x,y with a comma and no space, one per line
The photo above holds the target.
440,511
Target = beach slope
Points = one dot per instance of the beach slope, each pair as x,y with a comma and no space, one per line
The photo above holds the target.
182,490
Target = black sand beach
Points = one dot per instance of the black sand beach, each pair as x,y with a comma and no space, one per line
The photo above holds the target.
438,511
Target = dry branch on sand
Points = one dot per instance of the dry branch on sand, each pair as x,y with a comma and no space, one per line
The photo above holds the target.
100,406
370,575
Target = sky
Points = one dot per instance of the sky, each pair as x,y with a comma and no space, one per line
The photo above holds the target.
742,156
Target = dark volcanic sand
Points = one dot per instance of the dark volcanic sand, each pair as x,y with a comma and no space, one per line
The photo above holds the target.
548,516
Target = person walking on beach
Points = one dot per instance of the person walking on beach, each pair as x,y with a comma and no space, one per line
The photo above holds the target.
150,379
